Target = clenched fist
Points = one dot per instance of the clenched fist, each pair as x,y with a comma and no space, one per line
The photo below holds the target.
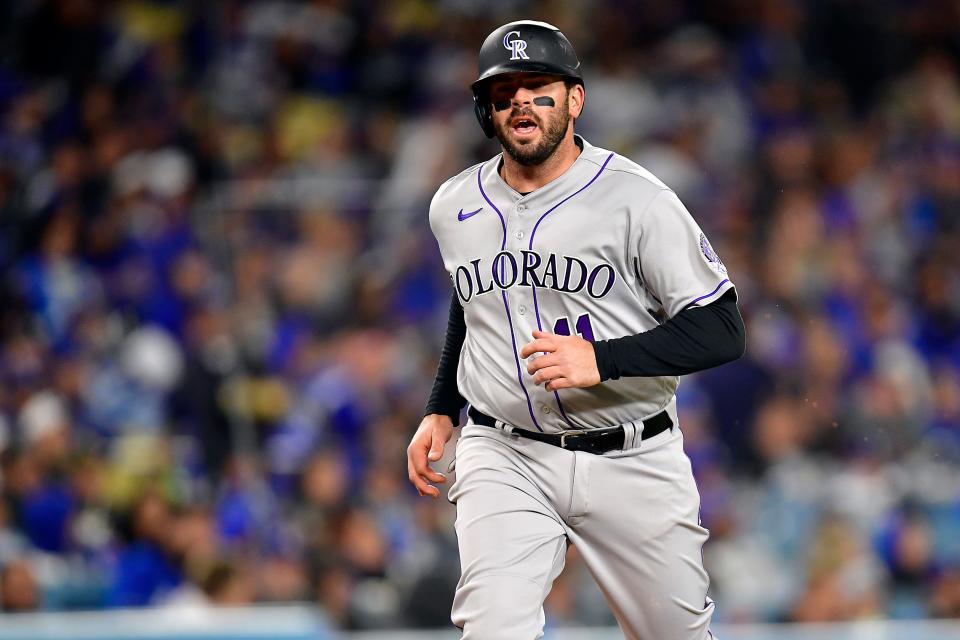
567,361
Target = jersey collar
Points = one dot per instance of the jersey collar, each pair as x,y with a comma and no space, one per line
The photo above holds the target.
586,160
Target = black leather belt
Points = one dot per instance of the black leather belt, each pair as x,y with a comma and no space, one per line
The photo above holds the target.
590,440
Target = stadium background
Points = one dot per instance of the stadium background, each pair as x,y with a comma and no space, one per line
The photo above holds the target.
221,305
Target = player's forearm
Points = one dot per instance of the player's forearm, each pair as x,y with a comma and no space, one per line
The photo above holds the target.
445,398
695,339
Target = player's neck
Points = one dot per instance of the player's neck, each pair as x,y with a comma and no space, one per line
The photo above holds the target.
524,178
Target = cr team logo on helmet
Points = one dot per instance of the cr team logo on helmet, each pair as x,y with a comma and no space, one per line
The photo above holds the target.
540,49
516,47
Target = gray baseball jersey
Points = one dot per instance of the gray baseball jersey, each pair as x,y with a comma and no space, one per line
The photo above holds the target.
602,251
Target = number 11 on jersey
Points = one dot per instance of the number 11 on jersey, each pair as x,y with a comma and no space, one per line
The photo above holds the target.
562,327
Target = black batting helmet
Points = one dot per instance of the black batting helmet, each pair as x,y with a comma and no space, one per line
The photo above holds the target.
525,46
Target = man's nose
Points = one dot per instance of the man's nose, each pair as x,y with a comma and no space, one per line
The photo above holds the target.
522,96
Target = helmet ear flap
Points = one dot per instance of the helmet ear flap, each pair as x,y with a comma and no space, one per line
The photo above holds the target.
481,108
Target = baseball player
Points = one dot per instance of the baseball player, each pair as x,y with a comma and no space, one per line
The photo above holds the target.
581,289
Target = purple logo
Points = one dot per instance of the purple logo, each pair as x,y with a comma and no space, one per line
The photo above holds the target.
710,254
463,216
516,47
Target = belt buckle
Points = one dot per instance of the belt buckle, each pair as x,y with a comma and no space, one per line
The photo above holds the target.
569,433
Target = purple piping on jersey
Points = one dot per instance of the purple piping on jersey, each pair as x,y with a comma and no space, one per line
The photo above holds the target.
513,341
722,282
502,221
556,394
554,207
536,306
506,307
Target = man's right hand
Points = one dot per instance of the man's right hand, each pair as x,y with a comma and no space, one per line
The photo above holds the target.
426,446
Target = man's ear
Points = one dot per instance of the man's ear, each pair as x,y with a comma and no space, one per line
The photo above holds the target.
575,100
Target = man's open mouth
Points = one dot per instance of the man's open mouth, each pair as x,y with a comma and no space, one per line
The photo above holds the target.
524,125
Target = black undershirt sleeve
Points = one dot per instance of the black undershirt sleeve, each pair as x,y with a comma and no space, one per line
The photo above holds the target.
695,339
445,398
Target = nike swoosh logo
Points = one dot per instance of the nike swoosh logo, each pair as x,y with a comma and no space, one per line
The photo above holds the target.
463,216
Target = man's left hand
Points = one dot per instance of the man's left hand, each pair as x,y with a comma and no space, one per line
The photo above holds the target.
568,361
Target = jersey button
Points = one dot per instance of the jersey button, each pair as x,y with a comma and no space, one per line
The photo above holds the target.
522,309
521,208
519,234
545,409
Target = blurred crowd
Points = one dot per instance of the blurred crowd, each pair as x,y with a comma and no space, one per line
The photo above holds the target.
221,305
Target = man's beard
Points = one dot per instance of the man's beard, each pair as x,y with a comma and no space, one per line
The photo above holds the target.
532,154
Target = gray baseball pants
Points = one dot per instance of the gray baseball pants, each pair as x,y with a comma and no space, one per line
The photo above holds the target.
633,515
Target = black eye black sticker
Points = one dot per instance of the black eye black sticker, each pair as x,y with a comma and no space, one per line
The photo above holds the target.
540,101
